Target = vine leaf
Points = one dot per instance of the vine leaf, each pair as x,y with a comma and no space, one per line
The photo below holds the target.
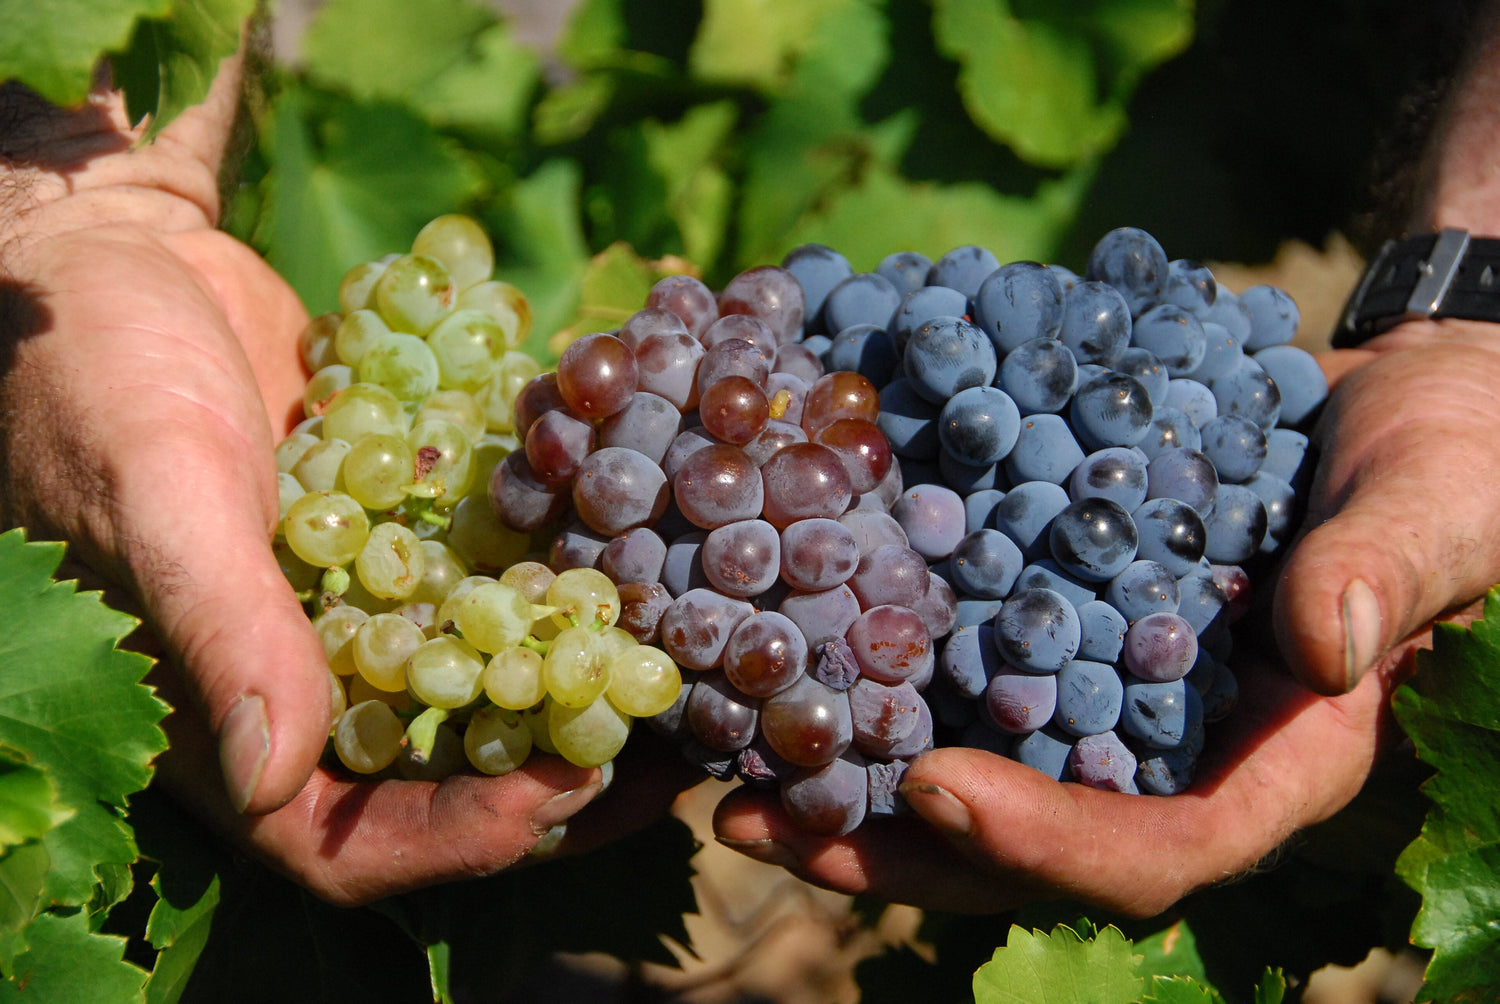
73,703
1451,710
172,60
29,806
53,47
1060,968
351,181
451,61
1058,94
66,961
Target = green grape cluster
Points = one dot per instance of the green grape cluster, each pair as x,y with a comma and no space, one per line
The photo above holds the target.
448,648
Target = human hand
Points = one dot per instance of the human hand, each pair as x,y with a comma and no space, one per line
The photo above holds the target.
1285,758
149,367
988,834
1403,521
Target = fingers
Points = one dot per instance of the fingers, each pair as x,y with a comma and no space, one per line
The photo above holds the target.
988,833
1403,516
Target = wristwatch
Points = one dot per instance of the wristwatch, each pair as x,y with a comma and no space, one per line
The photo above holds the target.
1446,274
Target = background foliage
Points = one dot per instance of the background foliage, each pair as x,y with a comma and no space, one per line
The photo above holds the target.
718,134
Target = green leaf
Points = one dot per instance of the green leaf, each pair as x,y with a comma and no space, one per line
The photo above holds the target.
1451,710
351,182
1271,989
540,247
1053,83
66,962
1172,951
667,190
812,142
1180,990
389,49
450,61
1035,968
53,47
74,703
23,874
756,43
171,61
28,803
884,212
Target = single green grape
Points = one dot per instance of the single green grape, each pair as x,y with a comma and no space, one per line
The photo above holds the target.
391,563
377,470
336,628
493,617
576,667
456,406
315,342
363,408
445,672
513,679
468,345
414,293
441,571
290,450
584,595
319,468
460,244
359,281
589,736
324,386
643,681
497,396
531,577
503,302
381,647
401,363
368,737
497,740
357,331
326,528
442,452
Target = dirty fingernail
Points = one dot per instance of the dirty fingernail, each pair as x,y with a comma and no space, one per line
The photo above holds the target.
1361,615
244,747
940,807
771,852
562,807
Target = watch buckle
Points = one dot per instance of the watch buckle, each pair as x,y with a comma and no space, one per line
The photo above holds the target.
1436,274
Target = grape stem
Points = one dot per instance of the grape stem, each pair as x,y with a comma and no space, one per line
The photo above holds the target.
421,734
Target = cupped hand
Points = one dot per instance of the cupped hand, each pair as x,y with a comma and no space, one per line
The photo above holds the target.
988,834
1403,521
149,367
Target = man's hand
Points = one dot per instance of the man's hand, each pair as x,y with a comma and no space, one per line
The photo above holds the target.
149,368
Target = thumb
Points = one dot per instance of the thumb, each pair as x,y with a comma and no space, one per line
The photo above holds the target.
1403,516
249,656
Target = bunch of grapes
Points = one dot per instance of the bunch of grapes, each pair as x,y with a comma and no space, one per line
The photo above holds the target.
446,647
940,503
1091,463
739,498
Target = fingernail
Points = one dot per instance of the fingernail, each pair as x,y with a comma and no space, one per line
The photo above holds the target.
771,852
560,808
1361,631
606,775
940,807
244,746
547,846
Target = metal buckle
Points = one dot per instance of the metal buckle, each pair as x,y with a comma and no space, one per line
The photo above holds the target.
1436,274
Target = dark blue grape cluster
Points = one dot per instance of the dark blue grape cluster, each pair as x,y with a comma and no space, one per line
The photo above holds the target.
1096,464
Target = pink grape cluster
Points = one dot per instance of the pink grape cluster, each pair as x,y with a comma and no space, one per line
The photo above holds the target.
740,498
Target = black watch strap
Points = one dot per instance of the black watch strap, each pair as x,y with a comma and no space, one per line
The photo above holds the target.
1446,274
